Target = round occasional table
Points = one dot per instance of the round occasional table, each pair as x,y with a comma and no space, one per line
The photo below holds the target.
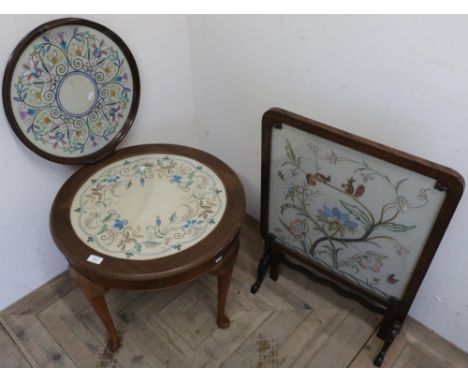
149,217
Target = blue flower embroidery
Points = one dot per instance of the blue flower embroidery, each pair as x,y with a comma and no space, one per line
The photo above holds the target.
93,139
29,112
190,223
99,49
336,220
58,139
63,43
294,172
115,113
121,78
119,223
32,68
113,179
158,220
176,179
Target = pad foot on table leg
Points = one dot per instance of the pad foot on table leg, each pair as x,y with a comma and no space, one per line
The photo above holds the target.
224,275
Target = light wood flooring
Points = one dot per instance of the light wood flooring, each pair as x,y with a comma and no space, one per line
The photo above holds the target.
289,323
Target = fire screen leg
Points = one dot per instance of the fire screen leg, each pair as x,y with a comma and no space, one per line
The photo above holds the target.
391,334
264,264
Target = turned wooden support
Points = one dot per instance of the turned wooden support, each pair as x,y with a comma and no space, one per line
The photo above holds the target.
95,295
266,263
389,337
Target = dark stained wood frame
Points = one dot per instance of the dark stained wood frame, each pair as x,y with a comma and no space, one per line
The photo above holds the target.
214,254
11,65
395,310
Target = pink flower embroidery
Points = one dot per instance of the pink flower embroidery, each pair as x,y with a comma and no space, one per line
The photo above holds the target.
122,76
57,140
402,203
32,69
115,114
400,249
26,113
391,279
422,195
371,261
99,49
331,157
313,148
366,177
297,228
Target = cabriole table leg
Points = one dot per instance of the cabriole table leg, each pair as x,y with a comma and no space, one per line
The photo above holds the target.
95,295
224,275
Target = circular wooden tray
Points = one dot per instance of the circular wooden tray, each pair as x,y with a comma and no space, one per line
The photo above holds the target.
71,90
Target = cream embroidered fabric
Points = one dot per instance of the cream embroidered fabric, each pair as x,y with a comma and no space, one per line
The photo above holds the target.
148,206
356,215
72,90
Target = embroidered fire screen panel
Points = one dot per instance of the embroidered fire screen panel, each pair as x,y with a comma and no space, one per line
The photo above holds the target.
359,217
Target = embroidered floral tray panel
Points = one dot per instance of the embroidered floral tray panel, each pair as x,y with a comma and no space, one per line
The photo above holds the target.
358,216
148,206
71,91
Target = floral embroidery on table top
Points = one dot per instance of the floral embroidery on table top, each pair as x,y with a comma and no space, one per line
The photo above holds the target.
191,200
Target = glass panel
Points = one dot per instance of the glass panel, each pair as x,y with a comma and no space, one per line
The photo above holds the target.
358,216
71,91
148,206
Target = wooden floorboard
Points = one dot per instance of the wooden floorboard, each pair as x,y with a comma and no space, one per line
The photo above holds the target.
350,337
289,323
10,354
42,297
35,341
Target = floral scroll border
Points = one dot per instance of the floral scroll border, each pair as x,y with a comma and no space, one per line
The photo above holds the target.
143,167
53,56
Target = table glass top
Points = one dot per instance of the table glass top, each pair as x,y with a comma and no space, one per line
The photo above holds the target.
148,206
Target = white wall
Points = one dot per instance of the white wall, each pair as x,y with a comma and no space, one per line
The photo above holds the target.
399,80
160,45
